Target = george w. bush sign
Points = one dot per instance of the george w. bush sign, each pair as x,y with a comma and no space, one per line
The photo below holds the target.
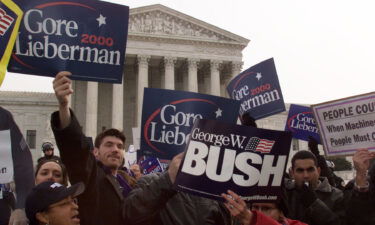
258,89
246,160
168,116
87,38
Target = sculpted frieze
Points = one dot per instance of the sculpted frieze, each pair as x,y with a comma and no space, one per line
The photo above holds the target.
217,51
158,22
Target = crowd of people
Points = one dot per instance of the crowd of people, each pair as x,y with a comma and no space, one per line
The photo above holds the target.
102,193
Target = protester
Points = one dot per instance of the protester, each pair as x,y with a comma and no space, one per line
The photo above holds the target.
23,170
53,204
154,201
136,170
47,149
312,199
261,213
106,186
51,170
360,192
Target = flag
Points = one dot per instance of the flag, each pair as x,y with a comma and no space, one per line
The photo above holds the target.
10,19
256,144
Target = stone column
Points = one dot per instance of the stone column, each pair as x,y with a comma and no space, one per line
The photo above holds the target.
236,68
215,77
169,63
91,109
142,82
118,106
193,75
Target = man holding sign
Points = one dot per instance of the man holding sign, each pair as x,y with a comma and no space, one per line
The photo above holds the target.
155,201
310,199
106,185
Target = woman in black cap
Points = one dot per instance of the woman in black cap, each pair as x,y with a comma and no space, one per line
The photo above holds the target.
53,204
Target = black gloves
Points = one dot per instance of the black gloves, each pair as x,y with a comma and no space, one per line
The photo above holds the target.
308,196
313,146
247,120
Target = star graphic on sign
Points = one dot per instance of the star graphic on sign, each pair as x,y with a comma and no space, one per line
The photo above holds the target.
218,112
258,76
101,20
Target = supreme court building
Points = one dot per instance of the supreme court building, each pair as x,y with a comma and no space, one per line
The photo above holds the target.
165,49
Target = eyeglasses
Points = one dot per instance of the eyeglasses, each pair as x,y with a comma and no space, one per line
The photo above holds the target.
262,208
65,203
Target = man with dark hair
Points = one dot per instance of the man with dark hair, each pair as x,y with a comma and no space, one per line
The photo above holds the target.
47,149
312,199
106,185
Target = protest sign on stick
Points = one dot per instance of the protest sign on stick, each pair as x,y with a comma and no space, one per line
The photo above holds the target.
301,123
246,160
259,90
87,38
168,115
347,124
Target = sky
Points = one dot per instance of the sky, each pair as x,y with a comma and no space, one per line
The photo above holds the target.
323,50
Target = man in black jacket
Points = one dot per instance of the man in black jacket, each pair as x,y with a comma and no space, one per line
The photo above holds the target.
154,201
312,199
106,186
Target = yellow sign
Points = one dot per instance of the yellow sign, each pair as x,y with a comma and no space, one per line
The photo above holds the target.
6,21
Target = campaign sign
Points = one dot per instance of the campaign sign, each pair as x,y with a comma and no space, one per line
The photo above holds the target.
151,165
259,90
10,19
301,123
168,116
246,160
87,38
347,124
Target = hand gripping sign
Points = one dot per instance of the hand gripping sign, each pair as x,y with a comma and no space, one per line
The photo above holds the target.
87,38
167,118
258,89
246,160
347,124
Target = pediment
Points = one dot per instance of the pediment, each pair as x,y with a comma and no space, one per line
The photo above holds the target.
161,21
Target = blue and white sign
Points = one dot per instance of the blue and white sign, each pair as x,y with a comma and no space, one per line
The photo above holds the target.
87,38
259,90
220,156
151,165
301,123
168,116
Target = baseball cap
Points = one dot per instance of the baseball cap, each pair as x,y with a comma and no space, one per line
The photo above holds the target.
46,194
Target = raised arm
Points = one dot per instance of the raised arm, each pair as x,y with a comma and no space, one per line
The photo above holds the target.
63,89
